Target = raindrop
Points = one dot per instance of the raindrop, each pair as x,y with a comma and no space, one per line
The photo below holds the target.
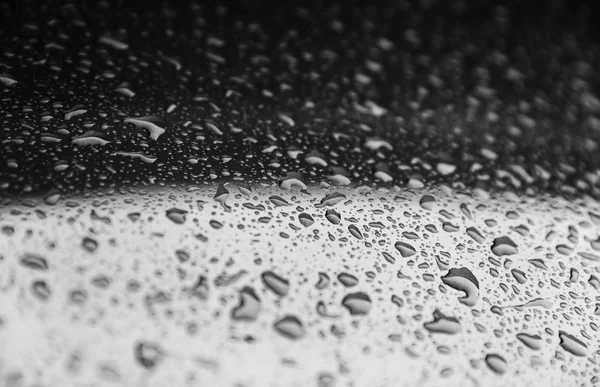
333,216
531,341
305,219
463,279
405,249
248,306
504,246
475,234
278,201
34,262
443,324
427,202
496,363
290,327
331,200
323,281
41,290
348,280
357,303
355,231
275,283
89,244
176,215
572,344
147,354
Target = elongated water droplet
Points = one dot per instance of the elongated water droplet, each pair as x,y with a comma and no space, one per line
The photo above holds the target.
275,283
443,324
496,363
35,262
348,280
278,201
405,249
572,344
333,216
531,341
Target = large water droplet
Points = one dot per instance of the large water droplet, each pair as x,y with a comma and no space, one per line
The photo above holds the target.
572,344
248,306
405,249
348,280
357,303
496,363
464,280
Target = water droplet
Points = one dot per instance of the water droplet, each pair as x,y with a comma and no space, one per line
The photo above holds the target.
348,280
248,306
355,231
504,246
221,197
290,327
519,276
89,244
475,234
41,290
333,216
331,200
323,281
496,363
305,219
275,283
427,202
36,262
405,249
278,201
443,324
572,344
463,279
531,341
357,303
176,215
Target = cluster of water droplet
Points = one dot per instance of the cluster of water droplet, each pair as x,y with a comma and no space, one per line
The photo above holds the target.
456,286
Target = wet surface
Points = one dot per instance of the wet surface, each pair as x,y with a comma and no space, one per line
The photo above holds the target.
328,194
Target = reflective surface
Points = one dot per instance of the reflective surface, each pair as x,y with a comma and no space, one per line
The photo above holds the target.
328,194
